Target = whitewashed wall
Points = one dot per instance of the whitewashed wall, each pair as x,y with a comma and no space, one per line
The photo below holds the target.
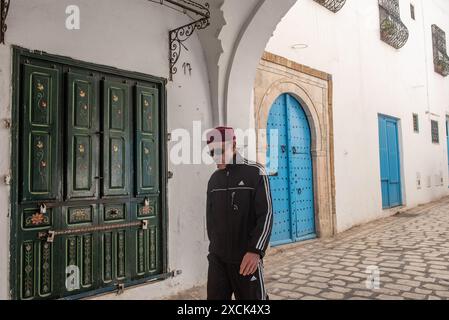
130,35
371,77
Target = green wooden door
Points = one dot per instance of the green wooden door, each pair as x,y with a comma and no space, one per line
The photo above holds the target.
87,209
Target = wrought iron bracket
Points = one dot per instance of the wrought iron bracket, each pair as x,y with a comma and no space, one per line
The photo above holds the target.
332,5
4,8
179,36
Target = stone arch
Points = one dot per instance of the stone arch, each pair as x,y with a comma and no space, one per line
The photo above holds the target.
302,96
313,90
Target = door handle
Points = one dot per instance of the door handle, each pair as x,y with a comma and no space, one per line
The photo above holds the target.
284,149
295,151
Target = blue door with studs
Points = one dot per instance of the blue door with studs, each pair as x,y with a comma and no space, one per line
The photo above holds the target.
390,166
289,162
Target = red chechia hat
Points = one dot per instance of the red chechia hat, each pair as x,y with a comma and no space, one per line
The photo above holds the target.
221,134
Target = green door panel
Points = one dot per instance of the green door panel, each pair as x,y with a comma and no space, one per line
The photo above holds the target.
147,154
79,264
36,258
148,242
36,269
40,132
89,173
82,137
116,150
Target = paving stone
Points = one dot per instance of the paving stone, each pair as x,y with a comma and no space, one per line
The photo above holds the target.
398,287
308,290
286,286
302,270
299,281
342,272
337,282
333,266
410,283
275,297
318,279
332,295
321,269
340,289
297,275
400,276
444,294
432,286
348,278
423,291
325,275
319,285
311,298
414,273
420,269
292,295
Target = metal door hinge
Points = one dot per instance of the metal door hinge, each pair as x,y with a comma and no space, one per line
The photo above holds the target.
7,179
170,175
168,136
7,123
176,273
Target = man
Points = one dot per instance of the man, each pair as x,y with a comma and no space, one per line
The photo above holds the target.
239,222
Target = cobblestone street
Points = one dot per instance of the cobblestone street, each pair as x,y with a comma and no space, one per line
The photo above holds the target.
410,249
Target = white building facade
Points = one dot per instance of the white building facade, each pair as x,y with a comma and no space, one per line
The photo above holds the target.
372,78
121,52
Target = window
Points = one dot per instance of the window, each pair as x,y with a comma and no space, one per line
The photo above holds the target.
392,30
415,123
440,57
435,132
412,11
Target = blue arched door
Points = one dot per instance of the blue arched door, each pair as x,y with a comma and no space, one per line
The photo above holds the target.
289,161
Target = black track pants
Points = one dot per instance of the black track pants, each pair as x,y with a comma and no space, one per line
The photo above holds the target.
224,280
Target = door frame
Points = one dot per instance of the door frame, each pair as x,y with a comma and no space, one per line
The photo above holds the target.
314,91
18,54
400,157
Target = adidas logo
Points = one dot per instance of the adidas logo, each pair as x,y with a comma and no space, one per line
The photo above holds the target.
241,183
253,279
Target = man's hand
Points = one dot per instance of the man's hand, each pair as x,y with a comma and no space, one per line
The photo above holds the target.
249,264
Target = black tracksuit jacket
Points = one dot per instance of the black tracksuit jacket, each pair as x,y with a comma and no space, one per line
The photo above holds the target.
239,211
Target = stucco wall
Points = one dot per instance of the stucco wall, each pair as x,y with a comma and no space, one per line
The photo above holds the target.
130,35
369,78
